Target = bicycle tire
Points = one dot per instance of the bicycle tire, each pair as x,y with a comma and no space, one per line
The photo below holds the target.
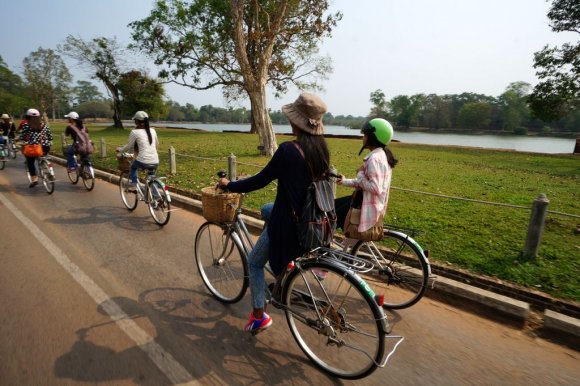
221,262
73,176
2,164
46,176
88,176
347,340
405,269
130,199
159,205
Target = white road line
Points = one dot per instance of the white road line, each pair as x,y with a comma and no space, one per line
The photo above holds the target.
174,371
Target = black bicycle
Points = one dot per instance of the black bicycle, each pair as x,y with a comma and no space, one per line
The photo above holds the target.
331,311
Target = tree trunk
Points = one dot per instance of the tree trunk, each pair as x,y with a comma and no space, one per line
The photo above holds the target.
117,113
577,147
261,121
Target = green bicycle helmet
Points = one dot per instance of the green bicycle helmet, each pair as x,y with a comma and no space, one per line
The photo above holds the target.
380,128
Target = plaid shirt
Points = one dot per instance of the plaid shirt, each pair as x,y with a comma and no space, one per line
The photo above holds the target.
375,181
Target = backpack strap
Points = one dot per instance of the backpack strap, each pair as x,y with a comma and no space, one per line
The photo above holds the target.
297,146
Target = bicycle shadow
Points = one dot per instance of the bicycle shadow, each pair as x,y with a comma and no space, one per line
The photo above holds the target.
192,327
117,216
237,356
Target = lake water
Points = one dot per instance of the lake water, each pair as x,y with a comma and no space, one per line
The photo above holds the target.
551,145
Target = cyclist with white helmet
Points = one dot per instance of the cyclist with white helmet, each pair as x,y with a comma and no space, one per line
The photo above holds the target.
35,132
142,139
373,178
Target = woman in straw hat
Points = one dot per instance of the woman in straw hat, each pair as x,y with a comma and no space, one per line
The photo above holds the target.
293,165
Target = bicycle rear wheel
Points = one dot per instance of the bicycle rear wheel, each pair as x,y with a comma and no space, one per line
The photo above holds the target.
221,263
73,175
401,266
129,197
88,176
335,322
159,205
47,177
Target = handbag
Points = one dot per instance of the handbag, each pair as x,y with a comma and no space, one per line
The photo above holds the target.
352,221
32,150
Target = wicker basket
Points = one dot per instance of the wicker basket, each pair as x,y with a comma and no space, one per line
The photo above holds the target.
219,207
124,162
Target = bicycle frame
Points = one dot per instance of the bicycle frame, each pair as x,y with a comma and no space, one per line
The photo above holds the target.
241,236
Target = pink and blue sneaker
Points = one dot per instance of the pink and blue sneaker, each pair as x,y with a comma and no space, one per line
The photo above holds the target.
255,325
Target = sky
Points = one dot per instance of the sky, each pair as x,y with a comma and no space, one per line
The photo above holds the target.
402,47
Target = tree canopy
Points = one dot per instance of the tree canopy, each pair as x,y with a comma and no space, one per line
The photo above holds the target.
557,95
242,46
48,80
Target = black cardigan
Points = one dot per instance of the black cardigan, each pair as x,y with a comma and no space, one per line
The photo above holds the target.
289,168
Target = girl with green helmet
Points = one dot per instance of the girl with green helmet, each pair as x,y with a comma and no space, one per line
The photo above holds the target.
373,178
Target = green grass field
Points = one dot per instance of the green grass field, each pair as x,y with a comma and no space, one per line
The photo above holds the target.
482,238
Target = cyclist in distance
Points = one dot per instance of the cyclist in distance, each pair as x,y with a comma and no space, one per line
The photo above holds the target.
7,126
74,128
143,140
373,177
35,132
278,242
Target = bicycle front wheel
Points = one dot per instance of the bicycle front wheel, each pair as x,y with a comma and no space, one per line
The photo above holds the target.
88,176
128,196
400,265
220,261
159,205
47,177
337,324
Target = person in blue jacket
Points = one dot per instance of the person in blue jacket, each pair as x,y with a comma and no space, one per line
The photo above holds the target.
278,243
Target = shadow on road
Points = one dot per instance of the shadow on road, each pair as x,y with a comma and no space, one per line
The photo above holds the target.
117,216
192,327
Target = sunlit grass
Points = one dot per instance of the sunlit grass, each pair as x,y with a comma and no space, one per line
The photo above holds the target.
482,238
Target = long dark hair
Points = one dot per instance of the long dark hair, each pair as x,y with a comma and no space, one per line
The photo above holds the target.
79,123
372,141
315,152
147,129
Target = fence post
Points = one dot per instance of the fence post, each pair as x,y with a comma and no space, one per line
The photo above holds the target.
232,172
63,141
333,180
536,227
103,148
172,164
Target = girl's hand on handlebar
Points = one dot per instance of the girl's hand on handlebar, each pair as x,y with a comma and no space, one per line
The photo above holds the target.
223,183
339,179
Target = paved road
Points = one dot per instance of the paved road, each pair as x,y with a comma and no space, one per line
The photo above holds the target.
93,293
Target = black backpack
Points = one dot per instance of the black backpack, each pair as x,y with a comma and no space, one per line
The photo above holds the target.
317,221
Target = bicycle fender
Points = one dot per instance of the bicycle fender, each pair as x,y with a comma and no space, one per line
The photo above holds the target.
419,248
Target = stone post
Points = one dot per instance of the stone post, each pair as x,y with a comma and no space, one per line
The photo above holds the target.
103,148
172,163
536,227
232,172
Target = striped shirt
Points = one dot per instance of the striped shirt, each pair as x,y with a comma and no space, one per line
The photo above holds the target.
375,182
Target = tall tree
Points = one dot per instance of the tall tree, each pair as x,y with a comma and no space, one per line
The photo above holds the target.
514,105
558,92
240,45
86,91
48,79
13,99
103,58
140,92
380,105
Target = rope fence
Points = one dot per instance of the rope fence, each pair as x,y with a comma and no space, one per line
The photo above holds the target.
538,208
